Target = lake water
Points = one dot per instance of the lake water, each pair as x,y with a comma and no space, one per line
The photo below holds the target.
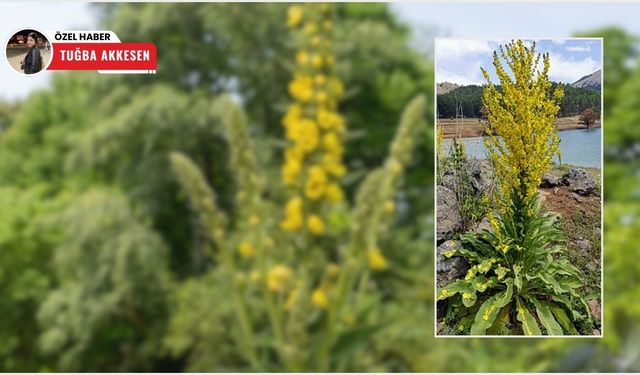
579,147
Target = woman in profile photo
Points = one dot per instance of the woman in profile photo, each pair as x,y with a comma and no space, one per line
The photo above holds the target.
32,62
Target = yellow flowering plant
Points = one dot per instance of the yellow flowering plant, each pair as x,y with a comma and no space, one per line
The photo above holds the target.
303,275
519,281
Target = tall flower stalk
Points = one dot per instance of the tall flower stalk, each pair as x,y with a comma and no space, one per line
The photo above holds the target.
313,126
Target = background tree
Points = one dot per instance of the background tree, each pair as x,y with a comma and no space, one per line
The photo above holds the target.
588,117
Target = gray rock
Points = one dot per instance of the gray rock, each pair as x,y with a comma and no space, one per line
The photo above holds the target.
579,181
594,307
576,197
583,247
549,181
481,174
595,333
448,181
592,266
448,219
483,224
450,269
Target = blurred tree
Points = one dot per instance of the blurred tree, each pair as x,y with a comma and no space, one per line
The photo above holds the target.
112,281
588,117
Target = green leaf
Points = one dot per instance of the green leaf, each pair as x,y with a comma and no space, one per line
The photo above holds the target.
529,325
354,339
501,324
518,277
489,310
469,299
547,319
562,318
460,286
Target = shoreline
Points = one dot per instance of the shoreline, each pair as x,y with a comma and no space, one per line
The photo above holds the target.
473,127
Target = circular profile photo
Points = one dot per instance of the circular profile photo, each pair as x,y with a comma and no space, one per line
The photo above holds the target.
28,51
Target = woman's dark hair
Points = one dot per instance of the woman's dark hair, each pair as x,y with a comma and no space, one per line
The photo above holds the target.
34,36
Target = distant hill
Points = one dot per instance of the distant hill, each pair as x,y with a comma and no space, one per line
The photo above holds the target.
445,87
469,99
591,81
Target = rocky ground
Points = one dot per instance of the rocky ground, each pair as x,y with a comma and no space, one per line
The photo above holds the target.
574,193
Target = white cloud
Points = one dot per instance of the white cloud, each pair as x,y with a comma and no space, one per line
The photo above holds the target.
584,48
472,76
569,71
558,42
456,48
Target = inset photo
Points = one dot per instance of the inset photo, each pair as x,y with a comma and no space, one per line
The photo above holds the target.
28,51
518,187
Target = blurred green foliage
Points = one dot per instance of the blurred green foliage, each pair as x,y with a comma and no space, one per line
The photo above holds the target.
95,236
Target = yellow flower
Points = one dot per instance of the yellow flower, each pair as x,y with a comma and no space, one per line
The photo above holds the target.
320,79
310,28
389,207
504,248
377,261
301,87
308,135
294,15
329,120
302,58
293,215
322,97
246,249
316,183
291,170
315,225
319,298
278,277
331,143
334,193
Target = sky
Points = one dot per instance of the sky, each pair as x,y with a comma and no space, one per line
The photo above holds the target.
442,19
459,60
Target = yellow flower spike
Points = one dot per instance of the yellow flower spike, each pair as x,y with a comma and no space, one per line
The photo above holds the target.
319,298
377,261
301,87
389,207
291,170
315,225
294,15
246,250
278,278
316,183
293,215
334,193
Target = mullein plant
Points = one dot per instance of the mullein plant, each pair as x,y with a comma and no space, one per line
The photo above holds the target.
519,282
300,281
